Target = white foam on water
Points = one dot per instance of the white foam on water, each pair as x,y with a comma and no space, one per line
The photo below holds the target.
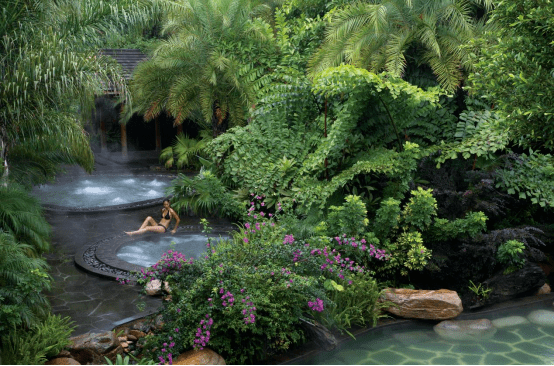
118,200
128,181
152,193
156,183
86,181
94,190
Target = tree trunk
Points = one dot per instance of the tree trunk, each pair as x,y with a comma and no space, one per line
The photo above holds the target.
220,120
3,157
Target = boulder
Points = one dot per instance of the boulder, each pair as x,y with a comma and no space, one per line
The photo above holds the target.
153,288
509,321
423,304
465,330
523,282
90,348
545,289
321,336
199,357
137,333
62,361
542,317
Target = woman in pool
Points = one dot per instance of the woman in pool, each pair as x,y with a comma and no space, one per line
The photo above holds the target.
150,225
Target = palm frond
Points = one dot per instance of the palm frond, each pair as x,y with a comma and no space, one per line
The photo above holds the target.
21,216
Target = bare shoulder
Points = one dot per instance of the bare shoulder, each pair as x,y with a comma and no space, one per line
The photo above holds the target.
173,211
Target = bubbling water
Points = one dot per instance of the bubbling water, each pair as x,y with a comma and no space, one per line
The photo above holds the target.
148,251
101,190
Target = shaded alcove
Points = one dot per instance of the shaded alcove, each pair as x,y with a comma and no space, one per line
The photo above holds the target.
140,135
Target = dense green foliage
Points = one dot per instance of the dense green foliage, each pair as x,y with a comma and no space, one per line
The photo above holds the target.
340,177
211,65
40,343
513,70
378,34
51,72
21,216
22,278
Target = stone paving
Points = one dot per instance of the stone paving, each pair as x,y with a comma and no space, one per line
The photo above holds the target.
97,304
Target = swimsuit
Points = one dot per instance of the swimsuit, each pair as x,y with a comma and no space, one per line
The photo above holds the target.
167,217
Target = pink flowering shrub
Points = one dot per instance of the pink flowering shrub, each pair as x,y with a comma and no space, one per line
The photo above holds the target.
244,297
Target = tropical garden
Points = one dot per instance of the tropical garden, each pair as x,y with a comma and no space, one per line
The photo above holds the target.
357,145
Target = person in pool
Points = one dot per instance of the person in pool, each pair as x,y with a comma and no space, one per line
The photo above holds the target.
150,225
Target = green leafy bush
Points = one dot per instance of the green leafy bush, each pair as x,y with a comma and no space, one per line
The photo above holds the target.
511,254
35,345
21,215
419,212
22,280
350,218
354,304
185,151
407,253
529,176
204,194
473,224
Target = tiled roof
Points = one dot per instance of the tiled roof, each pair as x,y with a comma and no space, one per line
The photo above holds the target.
127,58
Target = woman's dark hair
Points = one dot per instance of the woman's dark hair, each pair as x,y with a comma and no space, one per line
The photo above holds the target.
166,200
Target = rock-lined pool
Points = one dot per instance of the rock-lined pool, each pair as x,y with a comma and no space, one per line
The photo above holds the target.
524,336
101,190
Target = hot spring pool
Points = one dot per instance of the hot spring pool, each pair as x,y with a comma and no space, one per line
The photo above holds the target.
148,251
526,343
101,190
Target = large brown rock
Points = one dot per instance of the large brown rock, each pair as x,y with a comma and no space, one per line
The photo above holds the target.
545,289
62,361
199,357
90,348
423,304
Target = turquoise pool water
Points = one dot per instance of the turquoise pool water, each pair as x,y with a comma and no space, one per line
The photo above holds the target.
418,344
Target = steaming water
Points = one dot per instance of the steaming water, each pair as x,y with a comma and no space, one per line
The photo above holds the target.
148,251
99,191
529,342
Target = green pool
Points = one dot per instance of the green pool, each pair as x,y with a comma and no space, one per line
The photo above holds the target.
417,343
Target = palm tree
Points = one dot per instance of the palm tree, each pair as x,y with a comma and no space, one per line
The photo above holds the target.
50,73
377,34
207,65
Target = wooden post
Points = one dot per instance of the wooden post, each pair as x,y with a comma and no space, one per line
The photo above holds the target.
103,138
123,128
158,136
